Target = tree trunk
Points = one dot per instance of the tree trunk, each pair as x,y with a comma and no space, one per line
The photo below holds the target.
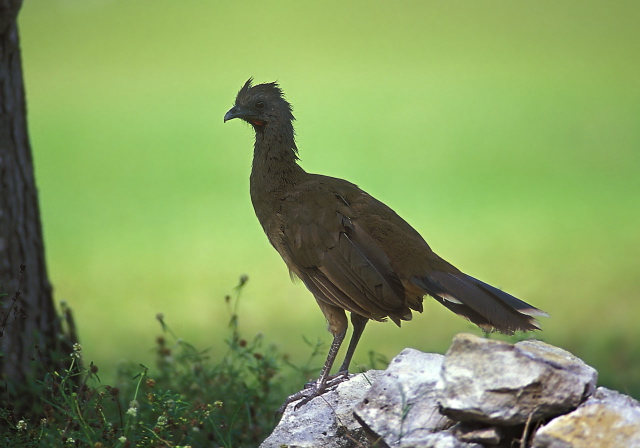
28,320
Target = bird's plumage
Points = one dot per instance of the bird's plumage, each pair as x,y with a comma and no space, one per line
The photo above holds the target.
352,251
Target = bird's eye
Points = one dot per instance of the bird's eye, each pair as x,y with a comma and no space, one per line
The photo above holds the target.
260,105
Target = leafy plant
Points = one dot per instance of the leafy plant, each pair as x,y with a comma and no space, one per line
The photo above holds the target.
190,398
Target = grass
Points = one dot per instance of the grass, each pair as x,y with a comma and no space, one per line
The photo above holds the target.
191,397
507,135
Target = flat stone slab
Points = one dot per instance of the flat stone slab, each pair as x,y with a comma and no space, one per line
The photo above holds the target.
402,403
495,382
608,419
327,420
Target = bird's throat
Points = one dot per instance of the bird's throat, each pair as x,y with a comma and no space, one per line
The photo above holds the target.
274,169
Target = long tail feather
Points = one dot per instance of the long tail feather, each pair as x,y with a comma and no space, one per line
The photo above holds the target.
486,306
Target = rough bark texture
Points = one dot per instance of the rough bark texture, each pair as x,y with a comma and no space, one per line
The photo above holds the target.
30,324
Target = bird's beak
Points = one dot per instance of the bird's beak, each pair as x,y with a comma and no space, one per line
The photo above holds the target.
234,112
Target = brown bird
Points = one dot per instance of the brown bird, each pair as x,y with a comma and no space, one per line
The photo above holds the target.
349,249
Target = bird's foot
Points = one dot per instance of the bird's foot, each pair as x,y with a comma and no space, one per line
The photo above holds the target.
314,389
330,381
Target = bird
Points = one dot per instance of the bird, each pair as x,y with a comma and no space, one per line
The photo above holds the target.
351,251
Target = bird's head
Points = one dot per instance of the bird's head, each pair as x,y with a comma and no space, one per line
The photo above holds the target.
261,105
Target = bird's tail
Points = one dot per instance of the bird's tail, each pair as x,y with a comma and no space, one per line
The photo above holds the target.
484,305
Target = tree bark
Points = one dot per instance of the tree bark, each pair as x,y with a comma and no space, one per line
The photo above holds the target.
30,325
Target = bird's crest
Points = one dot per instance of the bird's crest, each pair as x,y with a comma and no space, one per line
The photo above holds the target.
269,91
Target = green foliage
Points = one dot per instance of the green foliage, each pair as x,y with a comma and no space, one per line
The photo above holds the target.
191,398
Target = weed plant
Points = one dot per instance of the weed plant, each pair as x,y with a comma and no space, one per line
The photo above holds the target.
190,398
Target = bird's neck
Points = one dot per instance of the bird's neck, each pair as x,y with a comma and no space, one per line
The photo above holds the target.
275,166
274,172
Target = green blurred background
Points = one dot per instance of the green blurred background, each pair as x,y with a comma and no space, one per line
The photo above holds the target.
507,133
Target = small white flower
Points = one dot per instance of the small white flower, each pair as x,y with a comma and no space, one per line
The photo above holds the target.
22,425
77,351
122,439
132,411
162,420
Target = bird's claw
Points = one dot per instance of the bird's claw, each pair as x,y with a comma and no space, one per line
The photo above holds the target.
330,381
312,390
334,380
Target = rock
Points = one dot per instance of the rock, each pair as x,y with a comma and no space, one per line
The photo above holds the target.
401,405
495,382
326,421
608,419
496,393
435,440
480,433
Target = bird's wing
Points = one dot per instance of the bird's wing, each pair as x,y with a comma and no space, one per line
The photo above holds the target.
335,257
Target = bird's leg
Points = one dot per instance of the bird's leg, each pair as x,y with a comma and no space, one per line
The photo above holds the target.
320,386
358,322
338,324
321,382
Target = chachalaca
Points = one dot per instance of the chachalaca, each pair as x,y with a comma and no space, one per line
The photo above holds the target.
349,249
